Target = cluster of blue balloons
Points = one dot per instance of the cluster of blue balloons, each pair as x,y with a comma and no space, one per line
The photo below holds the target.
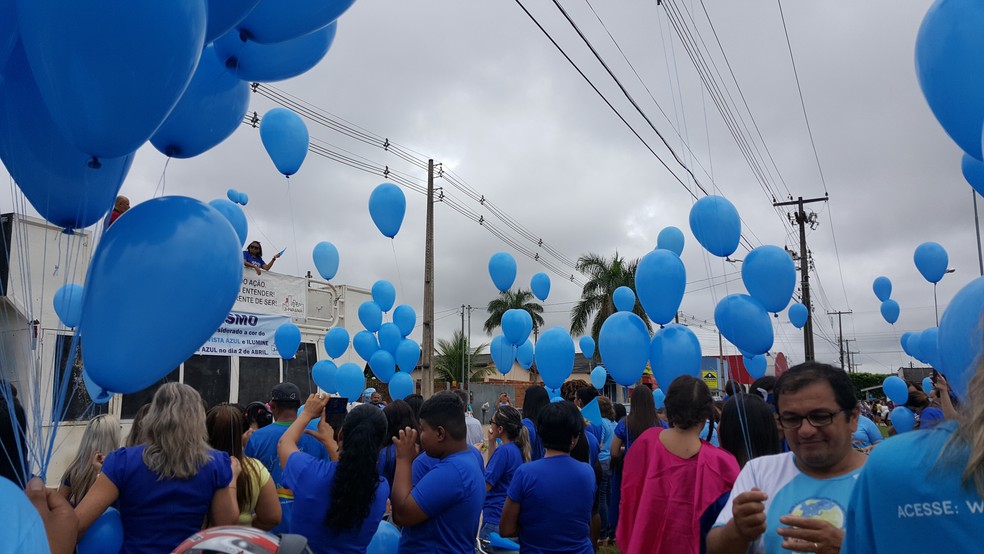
384,345
514,345
235,215
237,196
882,287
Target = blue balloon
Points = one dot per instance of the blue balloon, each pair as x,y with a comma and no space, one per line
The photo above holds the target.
233,195
540,285
384,294
324,373
715,224
674,351
68,304
387,206
401,385
671,238
110,73
929,346
896,389
350,381
624,299
371,316
587,345
235,215
770,276
755,366
960,336
948,48
931,260
104,535
798,314
97,394
407,355
554,394
325,259
517,324
890,311
973,171
624,346
555,356
745,323
267,63
524,354
904,341
365,344
902,419
659,398
598,377
124,284
882,286
223,15
383,365
389,337
8,32
243,198
502,270
56,176
913,345
405,318
336,342
288,339
285,137
386,540
660,282
927,385
209,111
279,20
503,353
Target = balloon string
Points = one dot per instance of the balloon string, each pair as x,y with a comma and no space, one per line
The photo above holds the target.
162,182
253,224
396,261
293,230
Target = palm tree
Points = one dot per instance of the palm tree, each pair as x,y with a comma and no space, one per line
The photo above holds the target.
604,276
520,299
451,359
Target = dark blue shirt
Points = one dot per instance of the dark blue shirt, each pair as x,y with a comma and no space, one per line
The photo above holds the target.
536,447
498,474
555,496
424,463
251,259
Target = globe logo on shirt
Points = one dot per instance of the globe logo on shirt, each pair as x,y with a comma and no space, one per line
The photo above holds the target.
823,509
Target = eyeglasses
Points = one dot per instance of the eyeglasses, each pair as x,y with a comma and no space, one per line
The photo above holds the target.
816,419
254,247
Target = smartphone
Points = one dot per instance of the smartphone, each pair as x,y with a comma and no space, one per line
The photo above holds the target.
336,405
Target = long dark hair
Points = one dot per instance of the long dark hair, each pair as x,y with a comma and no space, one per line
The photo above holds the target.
399,415
748,428
354,488
225,432
689,404
643,413
511,422
534,401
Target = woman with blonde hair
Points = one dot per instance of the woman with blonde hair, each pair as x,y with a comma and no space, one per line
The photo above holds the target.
169,484
256,494
506,427
102,436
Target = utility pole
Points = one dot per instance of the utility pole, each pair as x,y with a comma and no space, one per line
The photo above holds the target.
847,350
977,227
468,353
840,333
427,358
801,218
464,368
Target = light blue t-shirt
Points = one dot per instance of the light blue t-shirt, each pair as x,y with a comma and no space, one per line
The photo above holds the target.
555,496
499,473
451,494
867,433
791,492
25,531
607,434
910,499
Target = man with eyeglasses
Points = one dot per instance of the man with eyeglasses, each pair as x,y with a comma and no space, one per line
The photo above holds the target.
797,501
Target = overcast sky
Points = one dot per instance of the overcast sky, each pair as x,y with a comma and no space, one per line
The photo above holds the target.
479,88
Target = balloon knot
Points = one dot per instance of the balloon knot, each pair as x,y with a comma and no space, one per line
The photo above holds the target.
68,231
94,163
232,62
245,35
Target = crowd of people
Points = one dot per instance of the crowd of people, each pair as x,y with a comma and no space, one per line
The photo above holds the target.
796,470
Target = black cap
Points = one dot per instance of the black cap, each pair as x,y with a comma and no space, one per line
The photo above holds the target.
286,391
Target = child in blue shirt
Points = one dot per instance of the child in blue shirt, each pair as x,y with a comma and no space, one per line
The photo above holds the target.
507,427
440,513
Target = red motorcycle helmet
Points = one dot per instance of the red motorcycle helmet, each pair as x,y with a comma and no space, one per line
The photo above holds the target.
238,539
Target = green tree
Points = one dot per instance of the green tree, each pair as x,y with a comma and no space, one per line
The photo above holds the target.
452,357
863,381
604,276
519,299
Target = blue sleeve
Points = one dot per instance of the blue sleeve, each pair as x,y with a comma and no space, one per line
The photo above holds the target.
296,464
497,467
871,429
517,487
930,417
245,255
621,431
114,467
313,447
435,492
222,469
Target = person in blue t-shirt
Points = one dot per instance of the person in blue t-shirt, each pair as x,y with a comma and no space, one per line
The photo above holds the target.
338,504
923,491
549,501
867,435
253,257
285,399
399,415
439,514
168,486
535,399
507,427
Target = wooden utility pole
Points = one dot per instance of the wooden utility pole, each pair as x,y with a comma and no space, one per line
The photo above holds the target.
427,356
840,333
801,218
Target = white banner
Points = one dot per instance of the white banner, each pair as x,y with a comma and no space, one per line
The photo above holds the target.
248,335
272,293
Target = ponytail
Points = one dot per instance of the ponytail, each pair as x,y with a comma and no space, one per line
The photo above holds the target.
522,440
511,422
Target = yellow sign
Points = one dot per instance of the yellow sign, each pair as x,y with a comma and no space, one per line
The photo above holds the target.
710,378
